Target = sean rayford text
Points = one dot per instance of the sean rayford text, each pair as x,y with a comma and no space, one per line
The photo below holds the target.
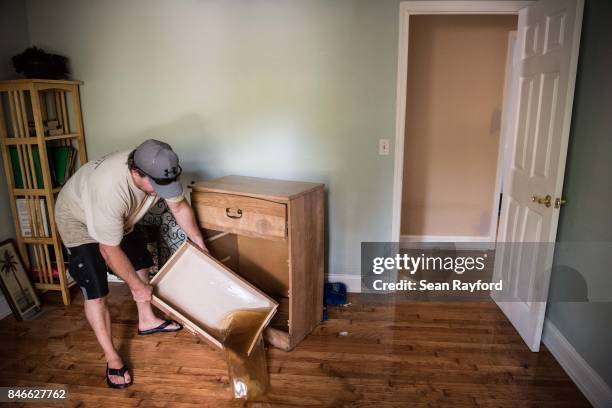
412,264
424,285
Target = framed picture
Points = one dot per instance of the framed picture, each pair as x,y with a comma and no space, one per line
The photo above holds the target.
15,283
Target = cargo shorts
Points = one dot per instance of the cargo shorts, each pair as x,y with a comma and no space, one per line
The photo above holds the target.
88,268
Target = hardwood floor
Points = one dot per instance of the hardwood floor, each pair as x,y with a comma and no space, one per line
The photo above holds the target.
375,352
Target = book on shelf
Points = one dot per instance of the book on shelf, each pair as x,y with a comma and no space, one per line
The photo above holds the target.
36,273
35,269
61,165
24,218
61,160
17,167
51,127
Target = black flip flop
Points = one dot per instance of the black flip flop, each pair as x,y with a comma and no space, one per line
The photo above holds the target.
161,328
120,372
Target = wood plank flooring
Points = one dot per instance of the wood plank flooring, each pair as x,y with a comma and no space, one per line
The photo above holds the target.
374,353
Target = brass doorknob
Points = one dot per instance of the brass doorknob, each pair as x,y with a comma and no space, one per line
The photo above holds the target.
559,202
546,201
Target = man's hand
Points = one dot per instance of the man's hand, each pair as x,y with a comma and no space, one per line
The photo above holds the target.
142,293
202,246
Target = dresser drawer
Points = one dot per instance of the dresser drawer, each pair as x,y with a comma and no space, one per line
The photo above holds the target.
241,215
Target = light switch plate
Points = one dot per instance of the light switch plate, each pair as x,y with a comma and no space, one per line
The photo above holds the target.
383,147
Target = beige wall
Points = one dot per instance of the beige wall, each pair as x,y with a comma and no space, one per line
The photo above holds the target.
456,68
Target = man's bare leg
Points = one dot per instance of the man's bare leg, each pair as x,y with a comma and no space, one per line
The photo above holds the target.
146,318
98,316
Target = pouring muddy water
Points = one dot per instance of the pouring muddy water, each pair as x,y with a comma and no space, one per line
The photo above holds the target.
248,370
215,303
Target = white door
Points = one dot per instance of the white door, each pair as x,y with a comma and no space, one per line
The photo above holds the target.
543,78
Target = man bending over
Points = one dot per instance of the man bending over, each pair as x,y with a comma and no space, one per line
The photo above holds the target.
96,211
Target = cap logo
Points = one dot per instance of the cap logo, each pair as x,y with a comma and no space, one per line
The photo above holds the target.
168,171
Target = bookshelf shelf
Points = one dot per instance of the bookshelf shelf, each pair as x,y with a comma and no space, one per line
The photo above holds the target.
29,191
42,142
12,141
47,286
62,137
38,240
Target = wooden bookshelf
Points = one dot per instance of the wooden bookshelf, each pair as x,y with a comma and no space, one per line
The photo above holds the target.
38,116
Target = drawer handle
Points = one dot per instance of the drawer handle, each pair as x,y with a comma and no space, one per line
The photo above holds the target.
238,213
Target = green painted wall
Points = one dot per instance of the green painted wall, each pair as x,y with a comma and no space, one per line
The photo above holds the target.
13,40
587,217
284,89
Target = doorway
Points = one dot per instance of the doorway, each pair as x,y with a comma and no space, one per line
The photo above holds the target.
421,226
458,68
534,140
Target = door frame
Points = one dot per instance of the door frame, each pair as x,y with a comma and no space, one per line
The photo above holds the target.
407,9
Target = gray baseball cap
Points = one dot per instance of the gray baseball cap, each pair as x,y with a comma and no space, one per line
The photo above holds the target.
158,161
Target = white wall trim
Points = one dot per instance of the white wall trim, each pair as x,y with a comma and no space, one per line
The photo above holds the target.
113,278
400,121
479,242
503,147
352,282
444,238
408,8
463,7
588,381
5,309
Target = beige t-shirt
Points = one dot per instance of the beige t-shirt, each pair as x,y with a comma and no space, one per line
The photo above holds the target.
101,203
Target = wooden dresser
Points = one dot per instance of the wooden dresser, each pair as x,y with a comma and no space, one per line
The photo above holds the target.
271,232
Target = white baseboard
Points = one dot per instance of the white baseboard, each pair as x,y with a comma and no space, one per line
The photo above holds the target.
588,381
113,278
352,282
463,241
5,309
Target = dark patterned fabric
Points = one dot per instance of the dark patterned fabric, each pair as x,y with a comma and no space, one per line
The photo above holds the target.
164,235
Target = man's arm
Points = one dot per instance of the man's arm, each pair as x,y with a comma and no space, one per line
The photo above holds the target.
183,213
119,263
